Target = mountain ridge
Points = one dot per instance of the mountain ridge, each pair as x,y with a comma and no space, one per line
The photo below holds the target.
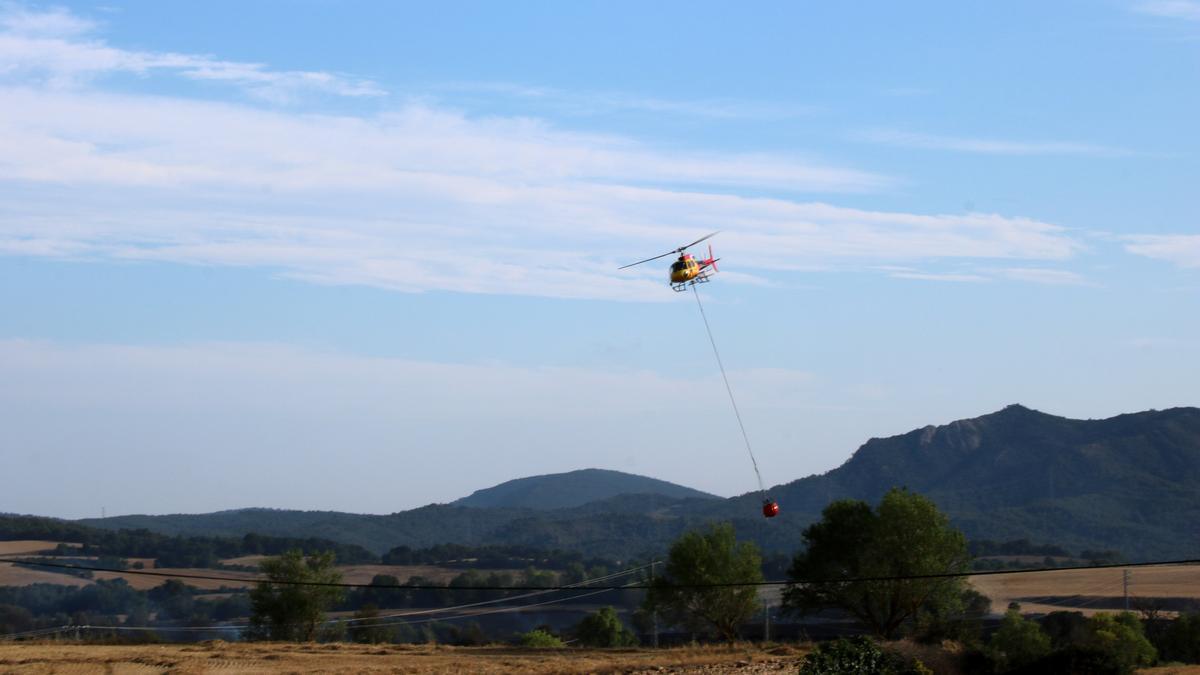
1129,482
573,488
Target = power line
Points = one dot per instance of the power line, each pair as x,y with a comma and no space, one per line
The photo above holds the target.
364,622
438,610
643,586
352,622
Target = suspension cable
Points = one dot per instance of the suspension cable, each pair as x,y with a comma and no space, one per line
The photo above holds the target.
729,390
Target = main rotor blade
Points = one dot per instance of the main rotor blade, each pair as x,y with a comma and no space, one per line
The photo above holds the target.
684,248
649,259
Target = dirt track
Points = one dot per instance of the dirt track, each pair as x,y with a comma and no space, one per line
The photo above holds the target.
221,657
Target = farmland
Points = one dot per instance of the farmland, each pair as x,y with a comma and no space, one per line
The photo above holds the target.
1088,591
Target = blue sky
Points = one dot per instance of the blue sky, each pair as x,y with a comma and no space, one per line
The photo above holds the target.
364,256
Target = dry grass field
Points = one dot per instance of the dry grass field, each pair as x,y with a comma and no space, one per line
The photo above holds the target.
1083,589
221,657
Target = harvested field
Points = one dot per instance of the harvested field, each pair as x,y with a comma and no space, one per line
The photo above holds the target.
143,582
245,560
219,657
362,574
1088,591
16,575
27,546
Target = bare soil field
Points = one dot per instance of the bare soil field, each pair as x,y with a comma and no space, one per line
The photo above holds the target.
221,657
1094,590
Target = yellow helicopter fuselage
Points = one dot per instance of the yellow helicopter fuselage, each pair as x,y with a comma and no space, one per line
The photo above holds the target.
684,269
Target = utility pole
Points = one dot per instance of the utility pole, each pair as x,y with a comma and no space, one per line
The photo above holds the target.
654,614
1126,579
766,621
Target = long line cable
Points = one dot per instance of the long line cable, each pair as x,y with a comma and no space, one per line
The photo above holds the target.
729,390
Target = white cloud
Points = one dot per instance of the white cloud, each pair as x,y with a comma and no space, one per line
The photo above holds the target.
906,139
1181,249
55,46
424,199
1173,9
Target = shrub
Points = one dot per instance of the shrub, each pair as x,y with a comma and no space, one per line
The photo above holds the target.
857,656
1074,660
1065,628
1180,641
540,638
1121,638
604,629
1018,642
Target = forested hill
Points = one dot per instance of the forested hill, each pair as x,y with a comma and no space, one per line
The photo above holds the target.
574,488
1130,483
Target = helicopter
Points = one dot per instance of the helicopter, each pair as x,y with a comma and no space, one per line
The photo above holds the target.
687,270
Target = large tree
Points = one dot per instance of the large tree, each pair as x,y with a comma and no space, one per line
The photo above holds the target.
690,593
603,628
905,536
290,604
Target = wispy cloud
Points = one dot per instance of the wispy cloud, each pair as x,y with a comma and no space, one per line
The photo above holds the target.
1181,249
1042,275
57,22
1038,275
589,103
987,146
59,47
939,276
1174,9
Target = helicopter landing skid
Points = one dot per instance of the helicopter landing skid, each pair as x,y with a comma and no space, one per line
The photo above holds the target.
679,288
